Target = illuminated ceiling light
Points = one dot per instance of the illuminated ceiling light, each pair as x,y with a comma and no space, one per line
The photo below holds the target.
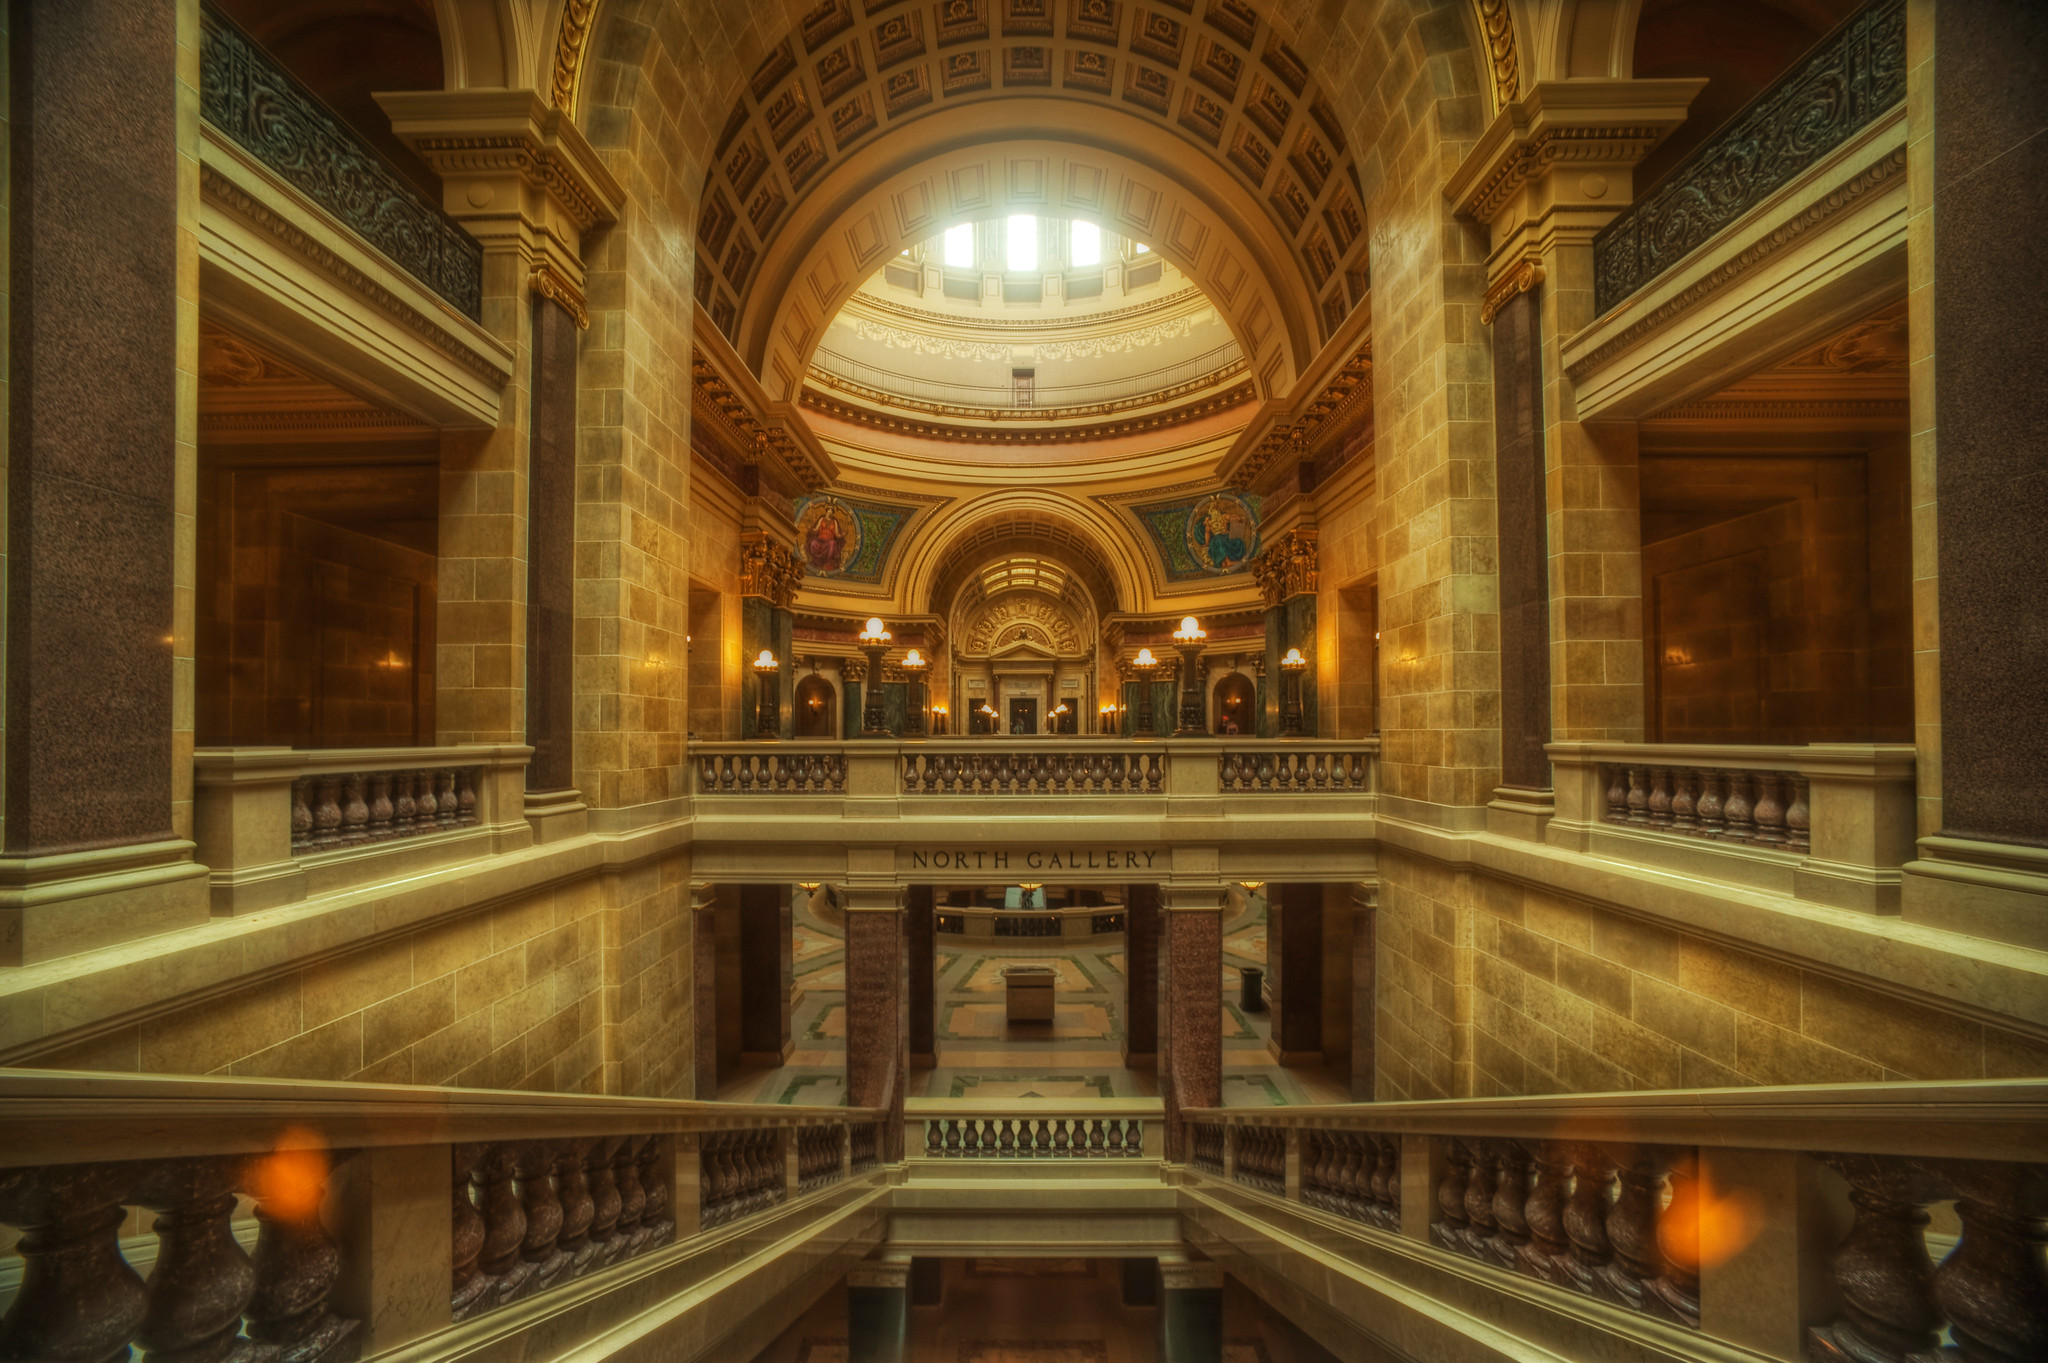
960,246
1020,241
1084,244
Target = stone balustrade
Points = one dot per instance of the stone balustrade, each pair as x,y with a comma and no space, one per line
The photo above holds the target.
274,825
1053,769
544,1190
739,770
1832,822
1705,1211
1299,770
1033,1129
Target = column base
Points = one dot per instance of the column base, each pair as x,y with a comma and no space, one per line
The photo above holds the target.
1520,812
61,905
1986,889
557,815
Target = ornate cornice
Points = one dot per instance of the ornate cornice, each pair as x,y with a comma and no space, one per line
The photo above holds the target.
1036,414
1287,567
551,284
754,435
532,160
1848,195
310,421
1497,29
1523,276
1284,438
1790,409
1558,146
570,41
858,415
231,196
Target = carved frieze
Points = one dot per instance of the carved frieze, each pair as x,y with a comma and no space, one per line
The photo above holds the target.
1038,618
770,569
1287,568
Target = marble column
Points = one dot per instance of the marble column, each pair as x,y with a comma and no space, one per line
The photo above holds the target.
877,1007
704,989
1524,798
878,1312
1294,951
1141,975
1190,1311
767,972
1191,1005
1990,173
920,929
92,454
551,576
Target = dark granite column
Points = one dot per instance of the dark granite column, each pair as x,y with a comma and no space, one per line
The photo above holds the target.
704,989
1141,1282
1190,1312
877,1009
920,946
551,551
1294,949
1191,1028
1991,406
1141,975
1364,993
1520,506
767,972
92,430
878,1312
927,1282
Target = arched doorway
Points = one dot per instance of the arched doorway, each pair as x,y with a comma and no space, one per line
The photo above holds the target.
817,703
1236,705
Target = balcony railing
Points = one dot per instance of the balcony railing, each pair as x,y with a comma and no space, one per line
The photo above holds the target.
1854,74
548,1190
265,111
1698,1210
1831,822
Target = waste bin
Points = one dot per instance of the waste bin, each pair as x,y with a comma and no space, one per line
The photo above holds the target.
1253,999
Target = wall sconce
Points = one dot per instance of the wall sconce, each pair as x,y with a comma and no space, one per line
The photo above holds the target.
939,713
1292,668
768,679
914,665
1250,886
1188,639
874,718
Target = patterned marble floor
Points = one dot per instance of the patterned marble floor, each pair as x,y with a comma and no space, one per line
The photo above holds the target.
981,1055
1040,1311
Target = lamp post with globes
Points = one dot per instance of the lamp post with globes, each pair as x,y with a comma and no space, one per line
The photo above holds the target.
1292,668
874,716
767,683
914,665
1144,665
1188,639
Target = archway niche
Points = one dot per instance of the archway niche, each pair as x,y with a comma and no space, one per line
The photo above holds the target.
1234,701
816,707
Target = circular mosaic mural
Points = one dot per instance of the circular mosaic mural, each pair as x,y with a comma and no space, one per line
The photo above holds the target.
1223,532
828,536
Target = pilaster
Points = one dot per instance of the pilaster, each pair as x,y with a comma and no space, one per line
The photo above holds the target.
877,1006
1191,990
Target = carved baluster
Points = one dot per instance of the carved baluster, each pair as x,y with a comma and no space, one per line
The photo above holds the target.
465,797
541,1248
296,1266
1448,1229
1639,796
1770,811
1510,1200
1713,823
377,827
1632,1230
1684,803
79,1301
572,1190
355,812
202,1280
604,1200
302,814
504,1223
1797,818
327,812
404,809
632,1198
1617,795
1993,1286
426,804
1480,1225
1881,1267
1585,1217
1659,803
1154,773
1675,1294
470,1287
1741,824
1543,1256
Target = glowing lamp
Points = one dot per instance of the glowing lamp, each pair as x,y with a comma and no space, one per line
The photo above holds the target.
1144,659
1190,628
1294,659
766,662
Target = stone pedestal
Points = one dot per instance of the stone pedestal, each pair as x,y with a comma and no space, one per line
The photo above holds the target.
1191,988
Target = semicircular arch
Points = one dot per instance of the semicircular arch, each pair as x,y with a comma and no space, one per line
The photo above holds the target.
1021,520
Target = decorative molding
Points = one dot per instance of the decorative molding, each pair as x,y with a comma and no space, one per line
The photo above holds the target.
1020,610
1202,383
753,434
1519,279
1554,146
1872,178
770,569
310,422
858,415
264,110
215,185
570,41
1285,437
1123,316
1856,73
1497,31
1288,568
551,284
527,156
1853,410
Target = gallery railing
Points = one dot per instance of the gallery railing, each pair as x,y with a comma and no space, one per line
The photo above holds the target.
1730,1214
978,1131
1853,75
268,113
545,1190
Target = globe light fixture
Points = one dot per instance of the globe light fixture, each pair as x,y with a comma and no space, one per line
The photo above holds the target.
874,716
914,666
1193,717
1144,665
768,696
1292,669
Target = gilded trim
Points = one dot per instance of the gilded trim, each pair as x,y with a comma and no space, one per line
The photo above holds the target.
570,42
551,284
856,414
1525,276
1497,32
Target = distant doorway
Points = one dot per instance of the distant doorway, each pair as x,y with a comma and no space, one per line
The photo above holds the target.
1236,700
816,704
1023,715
